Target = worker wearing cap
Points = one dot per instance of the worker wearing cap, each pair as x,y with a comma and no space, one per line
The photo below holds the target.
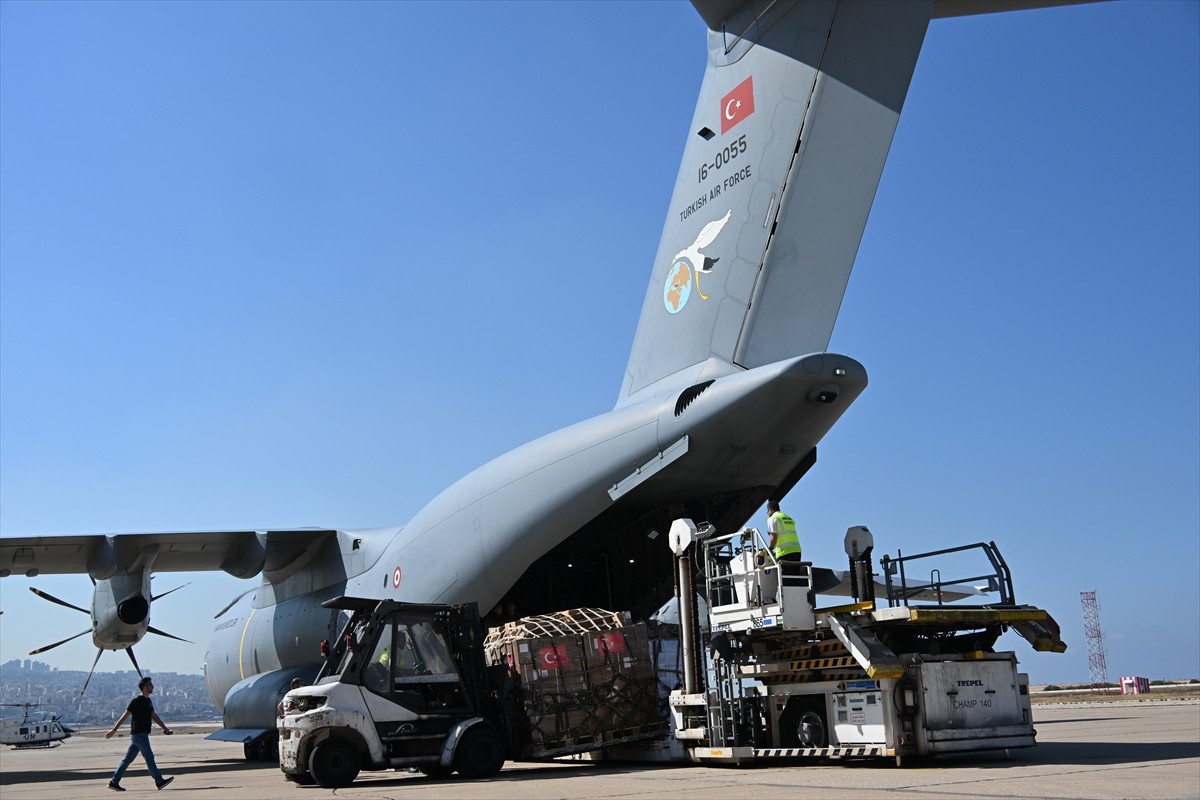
785,542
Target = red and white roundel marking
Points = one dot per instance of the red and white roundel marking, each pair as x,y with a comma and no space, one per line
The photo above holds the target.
396,578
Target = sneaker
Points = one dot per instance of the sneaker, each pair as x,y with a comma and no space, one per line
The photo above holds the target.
164,783
116,787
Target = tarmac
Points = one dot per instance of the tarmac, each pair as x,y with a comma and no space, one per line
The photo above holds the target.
1145,750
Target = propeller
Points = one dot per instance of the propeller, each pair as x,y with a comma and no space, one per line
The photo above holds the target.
99,651
157,632
232,603
167,592
56,644
53,599
132,658
93,669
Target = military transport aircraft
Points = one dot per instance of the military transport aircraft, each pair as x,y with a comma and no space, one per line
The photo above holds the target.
728,389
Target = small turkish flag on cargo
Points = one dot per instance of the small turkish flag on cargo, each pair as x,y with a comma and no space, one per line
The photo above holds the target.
738,104
611,642
552,658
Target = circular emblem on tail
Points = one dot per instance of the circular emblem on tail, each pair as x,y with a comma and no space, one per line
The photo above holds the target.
678,286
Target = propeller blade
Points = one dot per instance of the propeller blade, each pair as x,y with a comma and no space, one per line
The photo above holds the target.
232,603
164,594
90,671
56,644
129,650
155,630
53,599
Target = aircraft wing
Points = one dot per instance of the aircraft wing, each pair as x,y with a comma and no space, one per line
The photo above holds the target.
837,582
242,554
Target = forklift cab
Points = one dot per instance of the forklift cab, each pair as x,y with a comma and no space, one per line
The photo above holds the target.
409,655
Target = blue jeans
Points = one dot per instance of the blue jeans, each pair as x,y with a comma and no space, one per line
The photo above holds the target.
138,743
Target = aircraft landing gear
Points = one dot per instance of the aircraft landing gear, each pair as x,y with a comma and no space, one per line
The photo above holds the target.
264,748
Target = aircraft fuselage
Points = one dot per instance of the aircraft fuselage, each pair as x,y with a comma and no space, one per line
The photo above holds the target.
633,467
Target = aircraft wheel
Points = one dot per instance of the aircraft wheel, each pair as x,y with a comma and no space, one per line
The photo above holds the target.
264,748
268,747
333,763
253,750
480,753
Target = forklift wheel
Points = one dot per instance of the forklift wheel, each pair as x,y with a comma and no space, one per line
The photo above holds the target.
480,753
333,763
300,779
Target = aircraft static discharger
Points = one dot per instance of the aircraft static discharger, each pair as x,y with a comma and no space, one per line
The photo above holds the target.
728,389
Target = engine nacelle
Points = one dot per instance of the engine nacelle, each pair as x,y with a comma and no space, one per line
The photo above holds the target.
121,610
253,704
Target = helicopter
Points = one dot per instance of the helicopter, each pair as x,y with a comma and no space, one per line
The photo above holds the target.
26,733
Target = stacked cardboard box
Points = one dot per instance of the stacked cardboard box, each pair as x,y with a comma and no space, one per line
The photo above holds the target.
586,676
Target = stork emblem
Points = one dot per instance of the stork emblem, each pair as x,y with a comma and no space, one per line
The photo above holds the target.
688,265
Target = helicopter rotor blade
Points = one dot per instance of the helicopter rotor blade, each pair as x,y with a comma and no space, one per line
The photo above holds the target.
90,671
53,599
156,631
56,644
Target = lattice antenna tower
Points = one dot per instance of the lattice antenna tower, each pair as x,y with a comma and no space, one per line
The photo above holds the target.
1097,665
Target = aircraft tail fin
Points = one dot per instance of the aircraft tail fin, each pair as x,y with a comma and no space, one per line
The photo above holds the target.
791,130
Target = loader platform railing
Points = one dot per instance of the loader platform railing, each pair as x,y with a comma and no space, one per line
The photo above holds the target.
999,579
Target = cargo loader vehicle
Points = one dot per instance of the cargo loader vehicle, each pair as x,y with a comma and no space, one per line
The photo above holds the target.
770,676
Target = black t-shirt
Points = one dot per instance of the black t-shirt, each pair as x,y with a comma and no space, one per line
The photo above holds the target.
140,709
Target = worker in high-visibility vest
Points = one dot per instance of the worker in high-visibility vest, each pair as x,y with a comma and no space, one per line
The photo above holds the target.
785,542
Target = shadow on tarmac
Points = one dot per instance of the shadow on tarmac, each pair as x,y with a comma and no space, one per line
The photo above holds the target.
1114,752
135,774
1049,753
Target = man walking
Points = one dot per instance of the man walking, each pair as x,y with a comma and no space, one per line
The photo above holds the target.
142,711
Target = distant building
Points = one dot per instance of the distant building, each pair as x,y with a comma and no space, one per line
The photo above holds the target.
179,698
1135,685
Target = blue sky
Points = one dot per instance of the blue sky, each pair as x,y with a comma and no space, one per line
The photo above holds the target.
271,264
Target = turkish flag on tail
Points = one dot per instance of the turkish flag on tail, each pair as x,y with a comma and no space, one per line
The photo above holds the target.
738,104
